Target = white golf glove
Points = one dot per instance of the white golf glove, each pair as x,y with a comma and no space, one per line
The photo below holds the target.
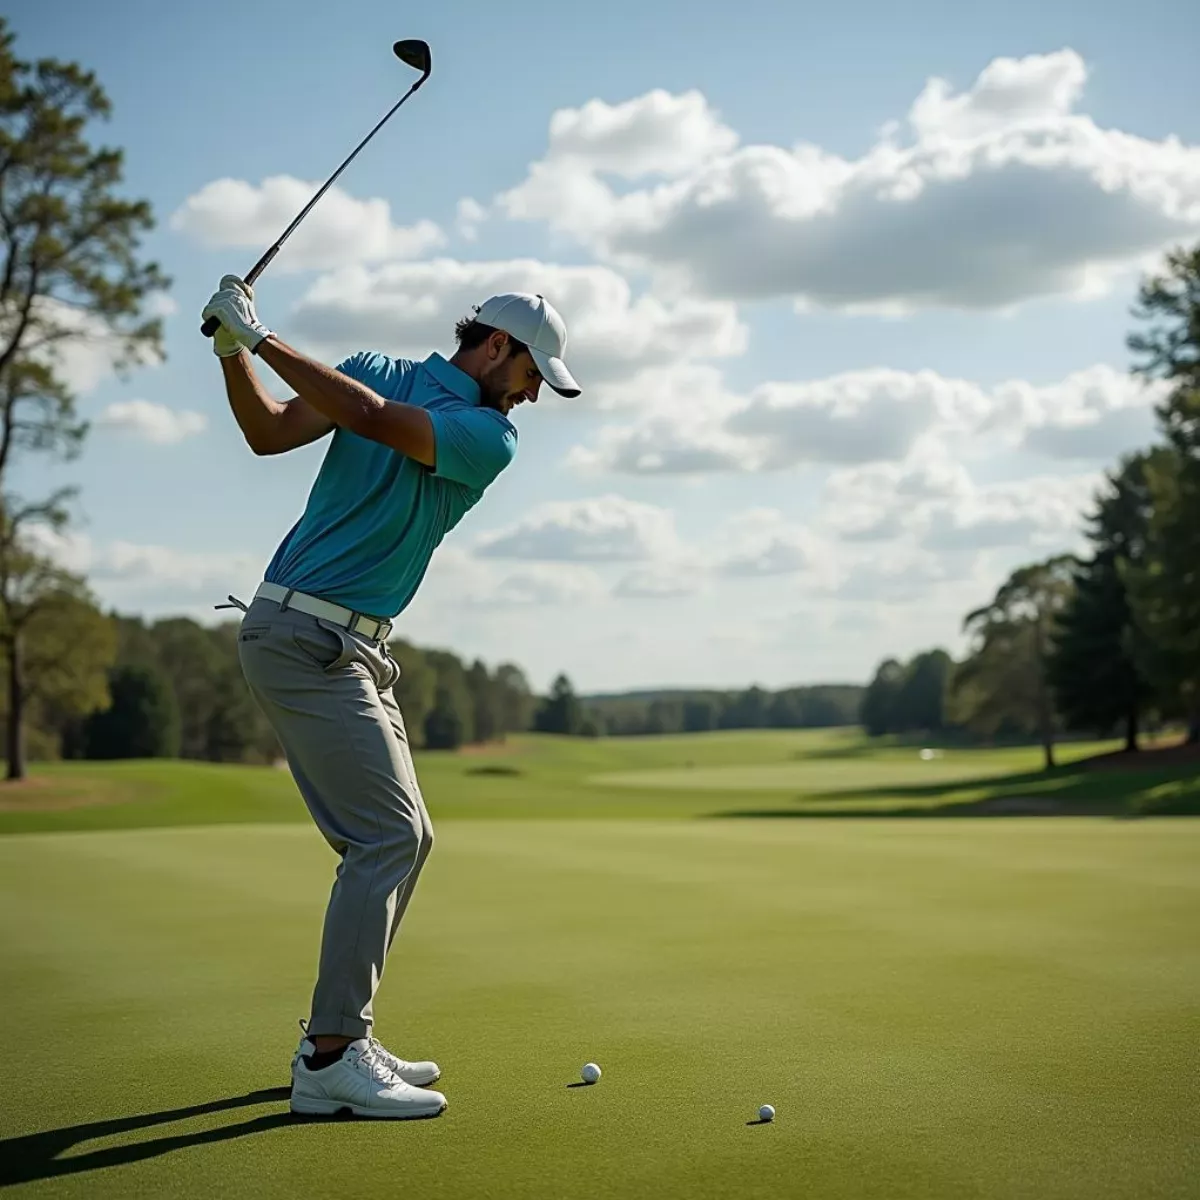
225,345
233,305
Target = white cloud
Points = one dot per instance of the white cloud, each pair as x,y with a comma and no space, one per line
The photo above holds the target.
934,504
601,529
541,584
340,229
994,195
760,542
867,416
412,307
153,422
656,134
661,581
1008,91
140,567
1092,414
469,217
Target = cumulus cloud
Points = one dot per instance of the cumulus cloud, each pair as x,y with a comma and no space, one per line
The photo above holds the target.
759,542
934,504
869,416
148,567
153,422
612,334
340,229
980,199
656,134
470,215
542,583
601,529
661,581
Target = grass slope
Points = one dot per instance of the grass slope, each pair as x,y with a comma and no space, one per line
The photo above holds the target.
936,1009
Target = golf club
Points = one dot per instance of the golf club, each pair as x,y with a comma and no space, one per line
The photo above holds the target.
413,53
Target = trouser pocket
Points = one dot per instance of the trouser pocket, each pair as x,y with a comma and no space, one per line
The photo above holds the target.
323,643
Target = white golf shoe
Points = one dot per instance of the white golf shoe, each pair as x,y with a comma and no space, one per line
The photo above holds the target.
418,1074
362,1083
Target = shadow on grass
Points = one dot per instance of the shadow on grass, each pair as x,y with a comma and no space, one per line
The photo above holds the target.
1067,791
39,1155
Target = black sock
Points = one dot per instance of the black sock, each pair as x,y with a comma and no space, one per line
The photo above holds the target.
318,1061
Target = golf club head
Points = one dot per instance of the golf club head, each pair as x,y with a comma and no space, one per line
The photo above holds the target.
415,53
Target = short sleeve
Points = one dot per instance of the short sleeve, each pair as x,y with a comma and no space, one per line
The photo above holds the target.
471,445
354,365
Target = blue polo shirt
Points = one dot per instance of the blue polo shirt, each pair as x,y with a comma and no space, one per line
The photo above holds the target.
374,516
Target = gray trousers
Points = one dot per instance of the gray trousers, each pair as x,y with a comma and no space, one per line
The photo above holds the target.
327,693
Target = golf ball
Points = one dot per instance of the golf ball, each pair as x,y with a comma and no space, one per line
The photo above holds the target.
590,1073
766,1113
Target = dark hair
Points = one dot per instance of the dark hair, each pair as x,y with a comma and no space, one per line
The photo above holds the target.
470,333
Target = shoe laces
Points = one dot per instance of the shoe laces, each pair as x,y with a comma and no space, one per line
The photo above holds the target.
396,1064
378,1067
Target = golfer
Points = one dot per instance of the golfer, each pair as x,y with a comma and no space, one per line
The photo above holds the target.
414,446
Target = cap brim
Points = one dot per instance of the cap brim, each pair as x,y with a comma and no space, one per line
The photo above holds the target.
554,372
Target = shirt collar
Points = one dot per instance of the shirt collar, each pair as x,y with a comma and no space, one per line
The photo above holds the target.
452,378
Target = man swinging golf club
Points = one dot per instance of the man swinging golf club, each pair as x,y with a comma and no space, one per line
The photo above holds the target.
414,446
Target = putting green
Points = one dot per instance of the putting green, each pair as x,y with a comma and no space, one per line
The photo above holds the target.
936,1009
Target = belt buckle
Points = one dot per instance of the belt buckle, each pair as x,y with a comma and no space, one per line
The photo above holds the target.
359,620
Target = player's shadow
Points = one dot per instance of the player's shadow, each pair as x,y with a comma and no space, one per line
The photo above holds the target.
38,1155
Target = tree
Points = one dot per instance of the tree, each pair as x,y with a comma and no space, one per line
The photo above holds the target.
877,711
416,688
56,643
1096,664
445,722
514,698
71,273
70,277
141,722
920,702
700,714
561,711
487,717
1165,589
747,710
1006,677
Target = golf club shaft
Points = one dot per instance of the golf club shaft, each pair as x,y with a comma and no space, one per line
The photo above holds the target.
212,324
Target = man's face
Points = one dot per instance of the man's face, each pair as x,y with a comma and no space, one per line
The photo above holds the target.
509,379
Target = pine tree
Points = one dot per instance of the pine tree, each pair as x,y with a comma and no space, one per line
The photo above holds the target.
1094,666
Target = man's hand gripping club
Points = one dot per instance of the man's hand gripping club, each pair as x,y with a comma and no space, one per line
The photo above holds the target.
233,305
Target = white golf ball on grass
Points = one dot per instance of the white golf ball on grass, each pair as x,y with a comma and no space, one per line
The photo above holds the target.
766,1113
590,1073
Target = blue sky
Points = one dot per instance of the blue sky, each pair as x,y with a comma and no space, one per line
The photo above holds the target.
854,337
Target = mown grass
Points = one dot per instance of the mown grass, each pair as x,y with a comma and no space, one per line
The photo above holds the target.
753,773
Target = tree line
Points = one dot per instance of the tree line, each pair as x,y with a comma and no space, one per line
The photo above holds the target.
1104,643
695,711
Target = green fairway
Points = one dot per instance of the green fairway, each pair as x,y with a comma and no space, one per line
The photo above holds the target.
750,773
989,1009
936,1008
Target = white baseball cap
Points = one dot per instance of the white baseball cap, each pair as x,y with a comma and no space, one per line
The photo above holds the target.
536,322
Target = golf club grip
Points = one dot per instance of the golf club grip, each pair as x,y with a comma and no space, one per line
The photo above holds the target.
211,326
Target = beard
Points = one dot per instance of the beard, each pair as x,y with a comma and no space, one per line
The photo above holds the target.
492,391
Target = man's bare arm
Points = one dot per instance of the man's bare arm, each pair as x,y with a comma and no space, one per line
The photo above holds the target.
269,426
350,404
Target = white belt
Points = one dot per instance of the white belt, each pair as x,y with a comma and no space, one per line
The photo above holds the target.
355,622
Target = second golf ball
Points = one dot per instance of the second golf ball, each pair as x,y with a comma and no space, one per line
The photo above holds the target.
766,1113
590,1073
